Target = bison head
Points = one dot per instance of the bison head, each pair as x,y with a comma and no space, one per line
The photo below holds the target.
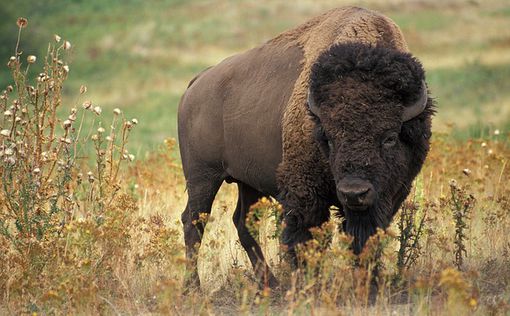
372,122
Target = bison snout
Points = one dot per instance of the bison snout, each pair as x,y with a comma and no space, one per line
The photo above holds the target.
356,194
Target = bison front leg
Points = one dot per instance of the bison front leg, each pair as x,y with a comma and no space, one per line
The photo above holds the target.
297,225
305,187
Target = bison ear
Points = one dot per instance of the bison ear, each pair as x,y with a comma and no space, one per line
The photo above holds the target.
311,103
415,109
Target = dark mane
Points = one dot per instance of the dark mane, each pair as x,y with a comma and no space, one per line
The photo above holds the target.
388,68
364,75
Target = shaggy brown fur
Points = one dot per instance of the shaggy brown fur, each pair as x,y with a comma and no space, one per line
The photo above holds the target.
359,91
301,170
341,25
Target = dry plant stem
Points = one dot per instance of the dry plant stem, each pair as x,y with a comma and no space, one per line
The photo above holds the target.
58,90
78,133
111,146
17,42
123,144
496,194
38,136
44,86
61,145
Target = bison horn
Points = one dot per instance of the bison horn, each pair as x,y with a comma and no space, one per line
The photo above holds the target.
311,103
415,109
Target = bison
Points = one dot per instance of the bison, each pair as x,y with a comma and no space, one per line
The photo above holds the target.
334,112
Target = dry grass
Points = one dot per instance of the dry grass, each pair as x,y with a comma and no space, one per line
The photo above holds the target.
448,274
110,242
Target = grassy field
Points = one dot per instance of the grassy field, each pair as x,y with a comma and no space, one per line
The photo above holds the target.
140,55
78,238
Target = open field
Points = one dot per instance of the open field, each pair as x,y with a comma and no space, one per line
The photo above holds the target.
110,242
141,55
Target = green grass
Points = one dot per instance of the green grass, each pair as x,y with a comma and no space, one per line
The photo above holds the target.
423,21
480,90
140,55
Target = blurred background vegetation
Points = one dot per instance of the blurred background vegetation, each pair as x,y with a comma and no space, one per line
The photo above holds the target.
140,54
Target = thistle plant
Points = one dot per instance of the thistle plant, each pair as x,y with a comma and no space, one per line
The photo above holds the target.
39,151
461,204
411,227
48,191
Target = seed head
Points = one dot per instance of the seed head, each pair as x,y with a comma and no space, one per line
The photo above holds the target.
87,104
65,140
100,130
496,132
67,45
466,171
66,68
67,124
453,183
5,133
22,22
116,111
484,144
36,171
12,61
131,157
83,89
97,110
57,38
94,137
134,121
42,77
31,59
8,113
10,160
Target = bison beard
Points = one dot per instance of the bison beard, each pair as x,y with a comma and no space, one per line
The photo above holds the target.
361,227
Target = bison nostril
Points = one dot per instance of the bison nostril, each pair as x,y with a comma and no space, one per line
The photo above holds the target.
361,195
356,193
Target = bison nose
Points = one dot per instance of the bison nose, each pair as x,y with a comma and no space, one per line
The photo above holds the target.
356,194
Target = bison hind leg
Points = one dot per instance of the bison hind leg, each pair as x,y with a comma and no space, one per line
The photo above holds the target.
247,197
201,194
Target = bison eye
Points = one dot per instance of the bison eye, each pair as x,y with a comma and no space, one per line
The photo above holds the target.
390,141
